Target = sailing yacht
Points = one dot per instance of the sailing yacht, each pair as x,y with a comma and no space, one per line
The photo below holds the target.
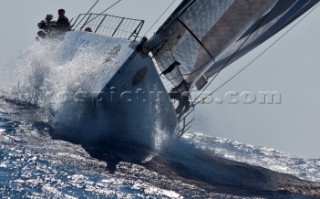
198,40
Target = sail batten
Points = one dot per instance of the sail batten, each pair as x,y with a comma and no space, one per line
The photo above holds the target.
206,35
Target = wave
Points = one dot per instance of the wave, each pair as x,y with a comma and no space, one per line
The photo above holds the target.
190,165
306,169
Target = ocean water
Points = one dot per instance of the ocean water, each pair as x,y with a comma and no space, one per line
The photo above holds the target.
33,164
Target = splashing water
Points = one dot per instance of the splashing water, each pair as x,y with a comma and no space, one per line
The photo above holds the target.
54,75
45,73
63,78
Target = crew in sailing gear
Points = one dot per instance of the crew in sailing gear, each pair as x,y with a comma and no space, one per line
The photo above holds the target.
47,27
63,24
49,17
88,29
184,104
47,24
181,94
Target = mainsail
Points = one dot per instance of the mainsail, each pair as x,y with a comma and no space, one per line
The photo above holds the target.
203,36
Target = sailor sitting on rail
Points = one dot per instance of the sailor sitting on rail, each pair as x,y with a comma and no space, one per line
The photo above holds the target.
53,29
47,26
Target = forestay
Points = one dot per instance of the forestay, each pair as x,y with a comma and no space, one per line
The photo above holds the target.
204,36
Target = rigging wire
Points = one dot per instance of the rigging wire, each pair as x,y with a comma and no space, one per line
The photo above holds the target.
231,57
254,60
94,5
113,5
164,12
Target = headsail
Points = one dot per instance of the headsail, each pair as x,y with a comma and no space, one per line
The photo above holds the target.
204,36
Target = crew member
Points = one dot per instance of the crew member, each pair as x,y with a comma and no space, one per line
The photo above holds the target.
88,29
181,94
63,24
47,25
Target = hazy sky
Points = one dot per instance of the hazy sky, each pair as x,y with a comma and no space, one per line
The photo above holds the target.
291,67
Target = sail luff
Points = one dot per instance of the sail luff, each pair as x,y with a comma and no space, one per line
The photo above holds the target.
184,5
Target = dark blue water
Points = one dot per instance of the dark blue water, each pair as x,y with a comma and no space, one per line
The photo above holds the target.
34,165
